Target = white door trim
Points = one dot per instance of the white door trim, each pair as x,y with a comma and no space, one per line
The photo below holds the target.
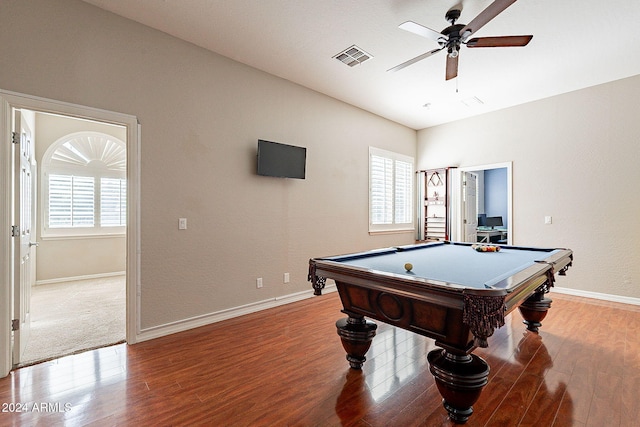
9,100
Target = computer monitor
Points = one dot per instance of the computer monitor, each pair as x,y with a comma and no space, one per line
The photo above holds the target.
493,221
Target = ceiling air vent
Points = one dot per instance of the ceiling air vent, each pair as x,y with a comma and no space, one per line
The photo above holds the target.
352,56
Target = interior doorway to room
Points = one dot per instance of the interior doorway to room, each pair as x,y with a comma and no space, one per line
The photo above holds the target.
115,167
77,297
493,200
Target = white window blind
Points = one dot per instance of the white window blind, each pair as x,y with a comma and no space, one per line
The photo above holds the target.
113,202
71,201
391,191
381,190
403,207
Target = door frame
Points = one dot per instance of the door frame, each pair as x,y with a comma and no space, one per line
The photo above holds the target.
10,100
24,263
456,203
464,211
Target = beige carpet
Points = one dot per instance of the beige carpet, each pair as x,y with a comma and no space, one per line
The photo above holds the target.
71,317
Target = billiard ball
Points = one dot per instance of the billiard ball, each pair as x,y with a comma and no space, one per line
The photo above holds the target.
408,266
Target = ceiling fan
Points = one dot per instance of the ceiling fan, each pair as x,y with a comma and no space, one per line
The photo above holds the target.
456,35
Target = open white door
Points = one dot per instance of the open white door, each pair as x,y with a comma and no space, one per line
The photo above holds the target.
470,207
24,250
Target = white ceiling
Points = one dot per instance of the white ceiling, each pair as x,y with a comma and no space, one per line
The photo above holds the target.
576,44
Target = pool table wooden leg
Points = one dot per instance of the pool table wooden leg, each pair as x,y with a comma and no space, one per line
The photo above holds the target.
460,380
356,334
534,309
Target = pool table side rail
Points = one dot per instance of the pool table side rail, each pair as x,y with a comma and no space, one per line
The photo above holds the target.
558,262
322,268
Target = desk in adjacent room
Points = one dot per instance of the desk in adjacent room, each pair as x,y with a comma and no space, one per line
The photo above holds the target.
453,294
491,235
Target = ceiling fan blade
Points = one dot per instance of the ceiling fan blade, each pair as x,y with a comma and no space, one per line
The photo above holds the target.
421,30
493,10
414,60
452,67
501,41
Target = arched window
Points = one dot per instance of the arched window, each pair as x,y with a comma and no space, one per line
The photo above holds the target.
84,185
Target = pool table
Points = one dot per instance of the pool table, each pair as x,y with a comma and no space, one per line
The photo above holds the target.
452,293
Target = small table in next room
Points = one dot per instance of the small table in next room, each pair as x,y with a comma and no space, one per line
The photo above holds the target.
453,294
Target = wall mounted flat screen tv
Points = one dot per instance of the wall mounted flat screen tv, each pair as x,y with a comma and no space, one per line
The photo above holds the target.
281,160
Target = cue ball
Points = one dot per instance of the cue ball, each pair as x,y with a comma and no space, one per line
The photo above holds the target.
408,266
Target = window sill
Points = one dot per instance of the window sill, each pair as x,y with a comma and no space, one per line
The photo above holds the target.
392,231
82,236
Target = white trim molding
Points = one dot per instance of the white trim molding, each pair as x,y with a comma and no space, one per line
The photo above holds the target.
597,295
219,316
76,278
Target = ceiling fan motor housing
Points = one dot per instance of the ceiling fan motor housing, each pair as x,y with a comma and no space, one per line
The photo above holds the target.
452,39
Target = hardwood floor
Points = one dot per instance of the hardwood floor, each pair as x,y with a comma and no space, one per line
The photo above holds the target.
286,367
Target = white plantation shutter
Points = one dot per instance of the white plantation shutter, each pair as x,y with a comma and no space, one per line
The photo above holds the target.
113,202
60,201
71,201
403,208
84,185
381,190
390,191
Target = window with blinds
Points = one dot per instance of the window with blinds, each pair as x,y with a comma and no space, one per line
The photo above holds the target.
113,202
71,201
390,191
84,186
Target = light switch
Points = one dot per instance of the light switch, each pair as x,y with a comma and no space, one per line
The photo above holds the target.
547,219
182,223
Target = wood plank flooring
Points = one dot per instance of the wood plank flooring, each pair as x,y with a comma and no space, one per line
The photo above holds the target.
286,367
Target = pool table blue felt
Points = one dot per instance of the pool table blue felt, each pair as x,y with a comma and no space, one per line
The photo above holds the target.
452,263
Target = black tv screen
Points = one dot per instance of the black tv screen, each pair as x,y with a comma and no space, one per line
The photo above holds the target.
281,160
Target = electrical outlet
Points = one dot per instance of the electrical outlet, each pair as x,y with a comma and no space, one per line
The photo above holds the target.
182,223
286,277
259,282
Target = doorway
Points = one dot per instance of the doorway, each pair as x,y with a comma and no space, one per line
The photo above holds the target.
10,103
494,198
78,298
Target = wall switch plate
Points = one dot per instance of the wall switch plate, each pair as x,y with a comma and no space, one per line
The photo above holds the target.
286,277
259,282
182,223
547,219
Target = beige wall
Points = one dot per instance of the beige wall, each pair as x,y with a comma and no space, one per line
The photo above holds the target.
575,157
73,257
201,116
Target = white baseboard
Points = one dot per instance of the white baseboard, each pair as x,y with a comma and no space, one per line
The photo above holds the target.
597,295
75,278
198,321
207,319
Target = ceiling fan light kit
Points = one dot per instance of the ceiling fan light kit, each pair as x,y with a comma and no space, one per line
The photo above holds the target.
456,35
